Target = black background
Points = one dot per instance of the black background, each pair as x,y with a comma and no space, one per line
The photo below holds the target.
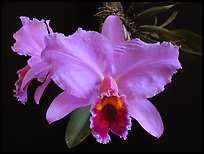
24,127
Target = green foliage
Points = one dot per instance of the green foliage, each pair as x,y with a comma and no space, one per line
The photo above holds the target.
78,127
189,41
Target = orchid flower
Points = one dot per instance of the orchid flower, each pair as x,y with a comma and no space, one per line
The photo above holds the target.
116,77
30,42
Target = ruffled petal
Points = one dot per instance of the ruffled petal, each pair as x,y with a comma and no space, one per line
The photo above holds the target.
144,69
48,26
78,61
63,104
109,112
39,91
26,75
33,73
113,30
30,38
146,115
88,46
18,93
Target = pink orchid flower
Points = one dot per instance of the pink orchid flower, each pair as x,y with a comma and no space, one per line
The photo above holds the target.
30,42
114,76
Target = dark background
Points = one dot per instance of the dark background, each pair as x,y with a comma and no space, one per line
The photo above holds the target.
24,127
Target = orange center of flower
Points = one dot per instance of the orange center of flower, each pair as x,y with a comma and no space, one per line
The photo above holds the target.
110,109
113,101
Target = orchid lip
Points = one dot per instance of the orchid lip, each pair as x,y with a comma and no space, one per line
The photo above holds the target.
109,113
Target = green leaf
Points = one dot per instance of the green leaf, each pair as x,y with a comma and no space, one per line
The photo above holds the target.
78,127
190,41
153,11
170,19
156,10
144,37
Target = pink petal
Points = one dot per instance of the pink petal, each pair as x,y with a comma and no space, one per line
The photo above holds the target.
88,46
108,84
39,91
73,75
78,61
33,73
113,30
30,38
26,75
63,104
48,26
34,60
18,93
147,116
42,75
144,69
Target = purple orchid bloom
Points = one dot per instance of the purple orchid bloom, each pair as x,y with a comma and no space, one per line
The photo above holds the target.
30,42
116,77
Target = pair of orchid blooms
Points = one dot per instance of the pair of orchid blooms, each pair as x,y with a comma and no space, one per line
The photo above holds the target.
113,75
